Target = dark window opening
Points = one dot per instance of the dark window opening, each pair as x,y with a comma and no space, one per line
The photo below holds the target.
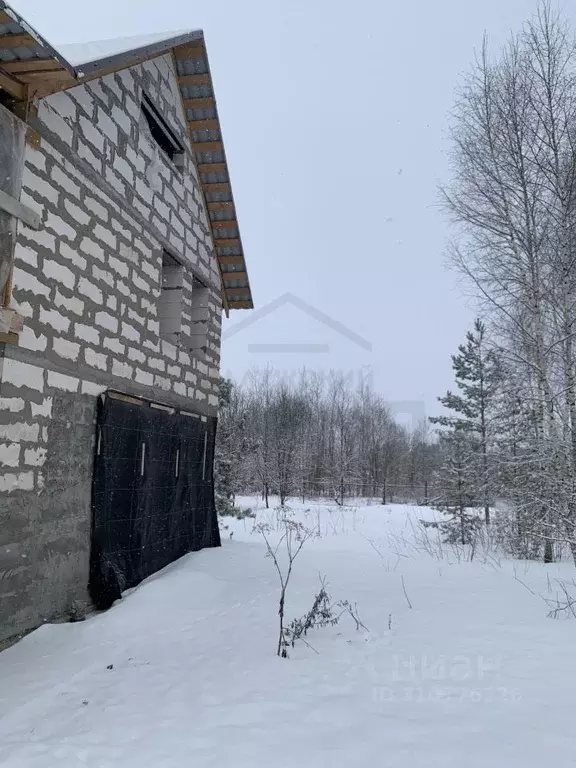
160,130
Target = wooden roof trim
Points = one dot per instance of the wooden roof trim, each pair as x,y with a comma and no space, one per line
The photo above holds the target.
220,186
196,52
235,275
205,125
30,65
17,41
222,286
224,223
50,87
195,80
206,146
200,103
226,242
55,80
20,78
226,205
231,259
15,88
212,167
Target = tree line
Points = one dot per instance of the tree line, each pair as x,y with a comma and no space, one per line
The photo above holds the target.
318,435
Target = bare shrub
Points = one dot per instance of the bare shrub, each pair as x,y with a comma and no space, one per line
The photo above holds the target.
293,537
564,604
482,546
323,613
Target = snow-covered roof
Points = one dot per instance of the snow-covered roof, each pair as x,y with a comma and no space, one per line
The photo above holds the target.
101,54
82,53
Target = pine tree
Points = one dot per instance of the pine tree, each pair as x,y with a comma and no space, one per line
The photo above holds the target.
477,373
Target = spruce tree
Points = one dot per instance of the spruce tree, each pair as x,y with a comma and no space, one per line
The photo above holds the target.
477,373
456,476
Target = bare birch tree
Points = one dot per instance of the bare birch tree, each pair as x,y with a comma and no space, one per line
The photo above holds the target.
512,197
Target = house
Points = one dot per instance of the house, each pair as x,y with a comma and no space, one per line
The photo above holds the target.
119,251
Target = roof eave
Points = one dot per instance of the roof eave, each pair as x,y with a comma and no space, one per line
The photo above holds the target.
126,58
50,50
196,52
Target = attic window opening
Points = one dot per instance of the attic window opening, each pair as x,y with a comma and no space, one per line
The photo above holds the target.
161,131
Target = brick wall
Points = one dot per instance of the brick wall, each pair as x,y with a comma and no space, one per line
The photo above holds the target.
89,282
88,285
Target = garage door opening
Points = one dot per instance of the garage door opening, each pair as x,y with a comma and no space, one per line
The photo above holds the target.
153,492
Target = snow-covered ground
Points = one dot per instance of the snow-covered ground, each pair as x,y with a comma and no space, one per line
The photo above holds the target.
473,673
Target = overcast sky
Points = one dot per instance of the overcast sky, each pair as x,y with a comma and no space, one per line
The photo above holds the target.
334,117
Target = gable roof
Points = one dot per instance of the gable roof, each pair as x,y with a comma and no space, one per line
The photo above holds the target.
32,68
98,53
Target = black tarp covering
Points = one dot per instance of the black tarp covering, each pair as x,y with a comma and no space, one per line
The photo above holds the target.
153,494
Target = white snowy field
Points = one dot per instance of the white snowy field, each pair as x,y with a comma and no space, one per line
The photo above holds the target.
473,674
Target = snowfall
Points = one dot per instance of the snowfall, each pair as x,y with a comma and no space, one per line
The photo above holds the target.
458,665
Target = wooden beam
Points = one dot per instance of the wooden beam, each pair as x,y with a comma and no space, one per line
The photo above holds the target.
32,65
17,41
204,125
208,146
193,79
238,291
225,206
5,18
9,338
194,51
224,224
51,78
241,305
125,398
19,210
33,138
13,87
212,168
205,103
226,242
231,259
235,275
43,88
222,187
